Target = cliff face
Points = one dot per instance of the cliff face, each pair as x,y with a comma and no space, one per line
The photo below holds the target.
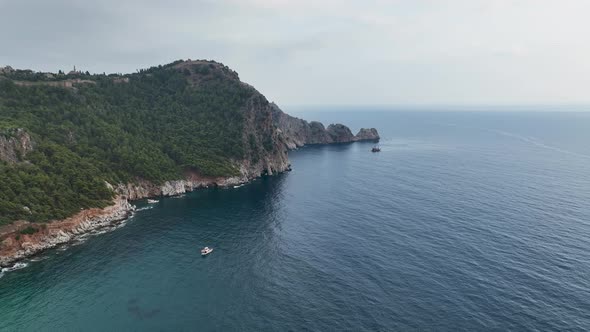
264,150
298,132
14,145
266,153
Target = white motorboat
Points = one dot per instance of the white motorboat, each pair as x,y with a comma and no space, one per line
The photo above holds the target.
206,251
152,201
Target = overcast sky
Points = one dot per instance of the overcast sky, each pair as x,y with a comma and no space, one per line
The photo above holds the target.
324,52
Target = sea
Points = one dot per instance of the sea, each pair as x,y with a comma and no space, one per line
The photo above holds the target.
465,221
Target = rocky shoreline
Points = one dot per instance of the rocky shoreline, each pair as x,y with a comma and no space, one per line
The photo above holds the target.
16,245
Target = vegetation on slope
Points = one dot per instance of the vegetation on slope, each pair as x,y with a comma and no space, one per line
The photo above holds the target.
153,125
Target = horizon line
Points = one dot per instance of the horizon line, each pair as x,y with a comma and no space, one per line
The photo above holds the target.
479,107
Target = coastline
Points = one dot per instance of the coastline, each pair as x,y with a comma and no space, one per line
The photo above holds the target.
16,246
18,241
263,136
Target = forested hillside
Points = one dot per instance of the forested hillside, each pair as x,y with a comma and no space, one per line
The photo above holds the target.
154,125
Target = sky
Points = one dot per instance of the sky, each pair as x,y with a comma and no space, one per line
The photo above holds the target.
324,52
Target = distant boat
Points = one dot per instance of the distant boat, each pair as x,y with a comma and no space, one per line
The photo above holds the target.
206,251
376,148
152,201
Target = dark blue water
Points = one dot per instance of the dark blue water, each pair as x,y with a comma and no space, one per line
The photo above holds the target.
464,221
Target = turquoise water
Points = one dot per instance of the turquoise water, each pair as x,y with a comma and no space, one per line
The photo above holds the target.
464,221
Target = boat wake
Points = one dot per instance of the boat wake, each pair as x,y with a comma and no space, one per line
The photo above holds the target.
525,139
537,143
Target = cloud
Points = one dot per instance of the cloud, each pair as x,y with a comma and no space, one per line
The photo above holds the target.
323,52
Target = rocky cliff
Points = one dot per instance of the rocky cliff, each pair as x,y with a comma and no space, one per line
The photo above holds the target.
297,132
264,150
14,145
141,189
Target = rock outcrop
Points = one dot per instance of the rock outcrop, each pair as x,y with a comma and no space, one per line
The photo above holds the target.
141,189
298,132
367,134
340,133
6,70
14,145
